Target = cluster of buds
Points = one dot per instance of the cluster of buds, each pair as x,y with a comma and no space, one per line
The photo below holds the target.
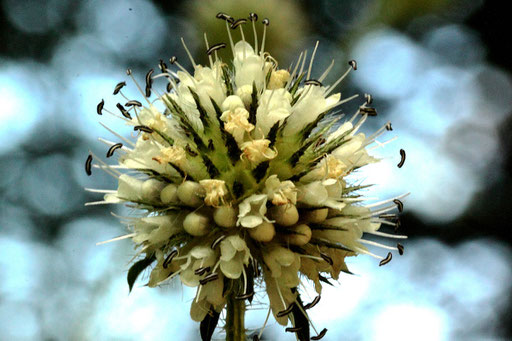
243,178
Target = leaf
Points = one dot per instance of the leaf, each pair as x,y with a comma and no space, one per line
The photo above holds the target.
300,319
137,268
208,325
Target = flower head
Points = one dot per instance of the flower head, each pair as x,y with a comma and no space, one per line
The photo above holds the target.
245,177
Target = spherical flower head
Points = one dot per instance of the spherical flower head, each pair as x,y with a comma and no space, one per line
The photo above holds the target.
245,179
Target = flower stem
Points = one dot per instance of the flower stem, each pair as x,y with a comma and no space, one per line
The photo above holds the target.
235,316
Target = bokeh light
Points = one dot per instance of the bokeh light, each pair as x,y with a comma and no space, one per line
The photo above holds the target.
431,73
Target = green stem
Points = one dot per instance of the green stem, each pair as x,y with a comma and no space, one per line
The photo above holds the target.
235,316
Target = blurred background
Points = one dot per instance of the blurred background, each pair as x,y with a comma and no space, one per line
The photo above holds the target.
440,70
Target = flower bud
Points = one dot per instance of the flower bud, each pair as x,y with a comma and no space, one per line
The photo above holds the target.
278,79
151,189
264,232
191,193
225,216
169,194
314,216
245,93
196,224
285,215
232,102
298,235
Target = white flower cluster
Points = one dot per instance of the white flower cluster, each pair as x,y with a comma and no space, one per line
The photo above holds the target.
243,178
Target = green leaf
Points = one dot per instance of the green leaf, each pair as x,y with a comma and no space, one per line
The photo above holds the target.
137,268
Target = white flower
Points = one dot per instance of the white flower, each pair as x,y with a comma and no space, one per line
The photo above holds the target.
198,257
278,79
280,192
237,123
174,154
244,92
257,151
284,265
274,106
252,211
215,191
249,66
353,154
319,194
311,104
234,255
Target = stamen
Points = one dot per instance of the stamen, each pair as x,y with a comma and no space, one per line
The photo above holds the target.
292,76
88,165
265,323
320,336
103,191
215,48
353,64
402,158
326,72
369,242
138,86
367,111
399,204
211,277
99,107
369,99
265,23
162,66
217,241
387,235
224,16
286,311
386,260
133,103
312,59
230,38
360,250
254,17
332,87
312,82
237,23
143,128
400,248
303,62
188,53
169,258
207,49
117,239
123,111
119,136
118,87
313,303
112,149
